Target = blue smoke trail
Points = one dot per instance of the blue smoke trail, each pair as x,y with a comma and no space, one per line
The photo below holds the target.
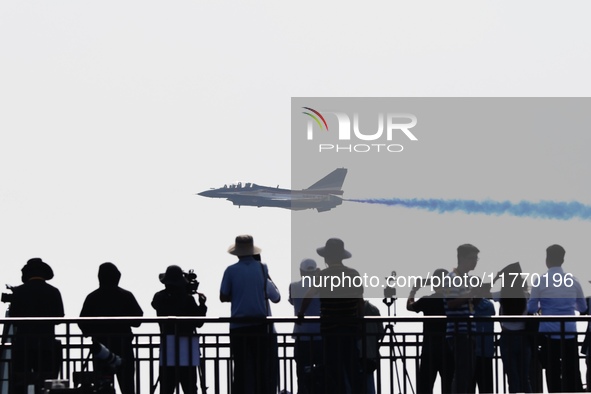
542,209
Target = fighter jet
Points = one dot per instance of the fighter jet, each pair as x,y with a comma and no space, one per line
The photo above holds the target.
322,195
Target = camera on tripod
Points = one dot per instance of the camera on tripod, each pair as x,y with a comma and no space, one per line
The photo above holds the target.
390,288
7,297
107,359
101,380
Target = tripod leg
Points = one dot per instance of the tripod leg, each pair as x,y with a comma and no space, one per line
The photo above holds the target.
201,372
394,345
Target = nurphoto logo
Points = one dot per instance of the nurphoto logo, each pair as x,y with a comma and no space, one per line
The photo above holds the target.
389,126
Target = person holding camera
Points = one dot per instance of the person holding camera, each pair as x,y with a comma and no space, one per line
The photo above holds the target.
179,344
435,355
110,300
36,354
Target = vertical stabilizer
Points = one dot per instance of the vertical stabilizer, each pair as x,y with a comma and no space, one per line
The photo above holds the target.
333,181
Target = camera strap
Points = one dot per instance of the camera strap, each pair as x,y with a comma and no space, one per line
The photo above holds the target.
265,277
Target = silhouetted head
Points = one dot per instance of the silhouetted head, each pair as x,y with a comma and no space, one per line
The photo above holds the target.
244,246
173,276
439,273
308,267
467,257
514,288
333,251
36,268
108,275
514,268
555,256
514,272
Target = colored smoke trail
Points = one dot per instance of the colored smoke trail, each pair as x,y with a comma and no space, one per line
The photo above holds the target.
541,210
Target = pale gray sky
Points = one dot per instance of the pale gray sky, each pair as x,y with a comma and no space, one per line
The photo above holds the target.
114,114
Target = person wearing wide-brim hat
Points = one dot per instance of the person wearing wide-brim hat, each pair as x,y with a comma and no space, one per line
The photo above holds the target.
173,276
247,286
334,250
36,268
339,335
244,246
177,300
36,354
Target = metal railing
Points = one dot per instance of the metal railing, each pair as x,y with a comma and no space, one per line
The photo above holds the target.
396,372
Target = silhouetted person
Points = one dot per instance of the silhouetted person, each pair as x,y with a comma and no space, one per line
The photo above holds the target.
247,286
179,343
515,342
558,293
458,304
435,354
36,354
110,300
308,342
585,348
273,357
484,349
340,308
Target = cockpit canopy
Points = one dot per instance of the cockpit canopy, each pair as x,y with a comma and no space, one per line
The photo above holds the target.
239,185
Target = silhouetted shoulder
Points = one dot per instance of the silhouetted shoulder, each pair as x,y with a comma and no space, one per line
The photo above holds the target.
159,299
36,298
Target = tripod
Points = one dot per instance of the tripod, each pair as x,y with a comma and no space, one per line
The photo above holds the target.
390,301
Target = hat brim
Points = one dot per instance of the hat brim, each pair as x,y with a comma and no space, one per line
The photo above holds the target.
340,254
178,281
240,250
39,268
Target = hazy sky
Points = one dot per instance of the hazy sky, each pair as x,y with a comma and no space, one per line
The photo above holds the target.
114,114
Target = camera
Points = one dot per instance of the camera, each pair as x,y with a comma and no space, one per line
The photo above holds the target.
390,289
88,382
99,381
108,360
7,297
193,285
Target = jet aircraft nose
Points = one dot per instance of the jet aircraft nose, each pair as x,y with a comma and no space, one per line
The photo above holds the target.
206,193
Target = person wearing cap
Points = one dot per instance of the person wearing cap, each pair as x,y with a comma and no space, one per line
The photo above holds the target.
308,343
36,353
247,286
110,300
341,307
435,355
558,293
178,336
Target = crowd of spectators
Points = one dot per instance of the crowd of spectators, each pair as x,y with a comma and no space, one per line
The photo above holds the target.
337,353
